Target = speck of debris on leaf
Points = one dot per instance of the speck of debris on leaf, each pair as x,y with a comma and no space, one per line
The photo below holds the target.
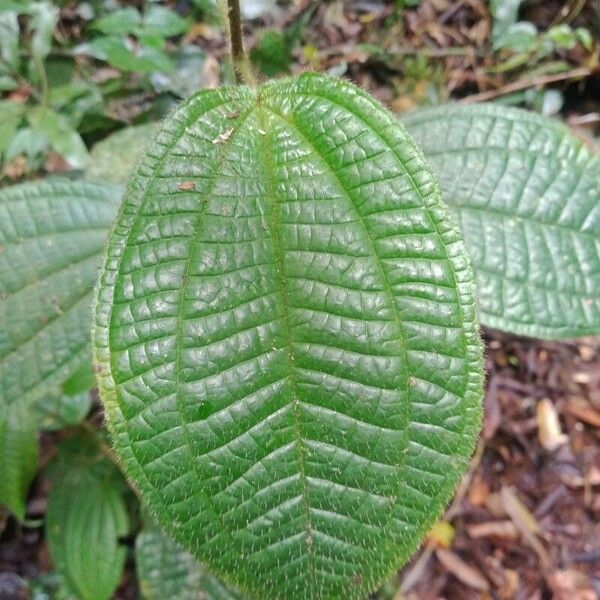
186,185
233,115
223,137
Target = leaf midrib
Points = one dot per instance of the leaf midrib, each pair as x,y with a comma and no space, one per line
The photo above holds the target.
387,286
241,119
299,442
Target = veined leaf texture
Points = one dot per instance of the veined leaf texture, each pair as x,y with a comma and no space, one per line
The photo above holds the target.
526,194
286,338
51,239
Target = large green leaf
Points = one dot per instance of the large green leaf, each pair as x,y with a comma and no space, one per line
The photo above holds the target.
86,516
286,338
165,570
526,194
51,238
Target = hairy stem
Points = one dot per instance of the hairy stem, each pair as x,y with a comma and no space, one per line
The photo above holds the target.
234,16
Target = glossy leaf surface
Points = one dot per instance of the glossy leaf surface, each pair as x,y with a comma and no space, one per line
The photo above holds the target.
526,194
165,570
286,338
51,238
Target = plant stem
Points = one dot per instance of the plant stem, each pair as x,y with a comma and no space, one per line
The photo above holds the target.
234,15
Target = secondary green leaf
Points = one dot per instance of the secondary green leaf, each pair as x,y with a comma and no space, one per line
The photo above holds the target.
83,380
286,338
112,160
58,410
160,21
9,39
28,142
120,22
12,115
526,193
44,16
19,455
123,54
51,238
86,517
505,14
165,570
62,137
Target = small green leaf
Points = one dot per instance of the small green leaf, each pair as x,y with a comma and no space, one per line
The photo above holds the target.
12,115
44,17
504,14
165,570
112,160
584,37
120,22
86,517
58,410
62,137
563,36
160,21
121,53
29,142
286,338
51,238
19,455
9,39
189,75
526,193
520,37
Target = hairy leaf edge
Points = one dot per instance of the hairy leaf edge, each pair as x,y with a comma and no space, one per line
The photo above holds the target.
458,259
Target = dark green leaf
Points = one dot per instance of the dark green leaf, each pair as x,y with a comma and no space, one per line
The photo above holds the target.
526,193
286,338
51,237
273,54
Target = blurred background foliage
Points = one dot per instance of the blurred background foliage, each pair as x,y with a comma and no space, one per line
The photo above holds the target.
71,73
